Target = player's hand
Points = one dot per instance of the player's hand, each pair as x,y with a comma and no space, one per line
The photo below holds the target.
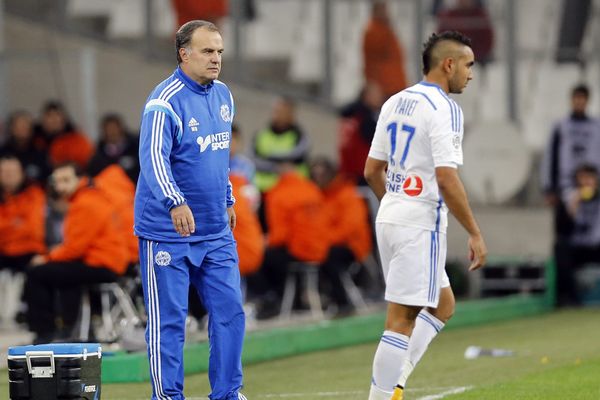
183,220
477,252
232,218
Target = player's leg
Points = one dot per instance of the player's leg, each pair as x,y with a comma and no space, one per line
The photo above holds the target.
218,284
430,320
406,255
392,350
165,281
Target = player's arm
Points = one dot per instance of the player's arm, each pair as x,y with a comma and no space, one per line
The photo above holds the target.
455,197
375,171
376,164
160,126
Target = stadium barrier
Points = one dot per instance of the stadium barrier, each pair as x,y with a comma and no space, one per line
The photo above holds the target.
329,334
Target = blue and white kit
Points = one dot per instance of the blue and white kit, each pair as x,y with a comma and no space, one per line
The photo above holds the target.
184,157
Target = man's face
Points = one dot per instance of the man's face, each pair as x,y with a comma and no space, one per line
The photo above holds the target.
54,121
202,59
282,114
65,181
579,103
22,127
113,132
11,175
462,71
587,179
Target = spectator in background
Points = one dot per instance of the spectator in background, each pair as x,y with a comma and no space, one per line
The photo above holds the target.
117,186
383,56
58,136
347,222
281,142
470,18
20,142
239,164
248,233
208,10
356,129
93,251
22,213
575,141
583,205
296,232
116,146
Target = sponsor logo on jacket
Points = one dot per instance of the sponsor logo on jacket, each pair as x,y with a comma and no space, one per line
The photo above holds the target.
216,141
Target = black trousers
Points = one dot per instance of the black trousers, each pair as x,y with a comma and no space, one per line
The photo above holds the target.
338,259
64,279
270,278
15,263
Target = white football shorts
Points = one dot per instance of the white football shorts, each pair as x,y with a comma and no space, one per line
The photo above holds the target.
413,262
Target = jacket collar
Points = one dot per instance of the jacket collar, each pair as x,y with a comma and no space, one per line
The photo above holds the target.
191,84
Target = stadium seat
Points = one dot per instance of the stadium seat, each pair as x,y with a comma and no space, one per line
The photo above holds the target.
118,313
11,287
352,291
309,273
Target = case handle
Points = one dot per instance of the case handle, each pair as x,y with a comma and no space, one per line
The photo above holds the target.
46,371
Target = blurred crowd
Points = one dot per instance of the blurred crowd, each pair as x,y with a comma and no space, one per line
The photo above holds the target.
66,209
569,176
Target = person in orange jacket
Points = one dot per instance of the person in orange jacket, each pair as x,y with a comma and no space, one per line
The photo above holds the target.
114,182
297,231
248,233
22,214
93,251
383,56
347,219
60,138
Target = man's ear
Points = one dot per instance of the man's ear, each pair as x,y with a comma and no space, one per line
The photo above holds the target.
183,53
449,64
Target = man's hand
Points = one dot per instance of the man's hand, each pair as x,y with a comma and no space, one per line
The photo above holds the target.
36,260
477,252
232,218
183,220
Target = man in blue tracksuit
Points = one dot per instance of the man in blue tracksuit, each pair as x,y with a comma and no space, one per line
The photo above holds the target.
184,217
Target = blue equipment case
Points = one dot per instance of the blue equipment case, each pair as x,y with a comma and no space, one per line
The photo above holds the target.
55,371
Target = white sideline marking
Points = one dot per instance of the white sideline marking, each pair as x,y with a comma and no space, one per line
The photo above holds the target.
446,393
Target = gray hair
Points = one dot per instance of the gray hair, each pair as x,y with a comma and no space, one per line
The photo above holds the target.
183,37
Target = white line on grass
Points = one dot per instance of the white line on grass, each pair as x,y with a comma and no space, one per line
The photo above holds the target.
448,390
446,393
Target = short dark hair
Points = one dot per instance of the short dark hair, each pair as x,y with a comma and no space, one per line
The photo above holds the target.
69,164
183,37
581,89
54,105
8,155
436,38
587,169
235,130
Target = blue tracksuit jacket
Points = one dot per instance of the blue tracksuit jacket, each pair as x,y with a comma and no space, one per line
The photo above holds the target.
184,158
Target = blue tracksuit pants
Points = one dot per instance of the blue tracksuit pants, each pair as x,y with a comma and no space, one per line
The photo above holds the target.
211,266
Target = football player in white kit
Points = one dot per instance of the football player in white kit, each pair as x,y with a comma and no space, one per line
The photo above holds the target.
412,168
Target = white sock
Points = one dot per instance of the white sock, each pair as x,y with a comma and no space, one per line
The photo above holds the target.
387,364
377,394
426,328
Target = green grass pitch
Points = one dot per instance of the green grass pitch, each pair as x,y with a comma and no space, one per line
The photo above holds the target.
557,357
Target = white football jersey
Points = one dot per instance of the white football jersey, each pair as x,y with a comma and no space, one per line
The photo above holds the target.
419,129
